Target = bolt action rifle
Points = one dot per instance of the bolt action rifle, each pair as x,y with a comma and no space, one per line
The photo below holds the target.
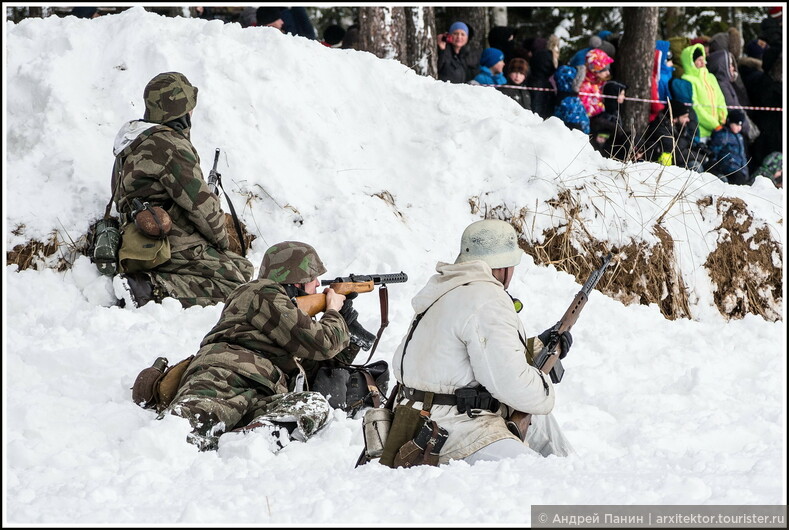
214,183
214,176
547,360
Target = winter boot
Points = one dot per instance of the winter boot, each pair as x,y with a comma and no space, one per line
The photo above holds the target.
134,289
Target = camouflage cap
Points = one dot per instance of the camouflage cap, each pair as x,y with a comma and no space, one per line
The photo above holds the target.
168,96
291,262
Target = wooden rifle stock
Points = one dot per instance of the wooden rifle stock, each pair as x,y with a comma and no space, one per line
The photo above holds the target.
547,360
312,304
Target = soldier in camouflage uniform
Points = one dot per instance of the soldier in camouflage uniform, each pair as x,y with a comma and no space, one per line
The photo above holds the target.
254,367
156,162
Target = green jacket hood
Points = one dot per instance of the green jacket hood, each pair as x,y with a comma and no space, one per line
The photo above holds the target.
687,59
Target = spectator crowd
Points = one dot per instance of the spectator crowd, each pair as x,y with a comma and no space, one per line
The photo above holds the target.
710,105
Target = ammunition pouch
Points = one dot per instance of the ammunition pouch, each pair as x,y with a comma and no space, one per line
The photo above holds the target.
471,398
156,386
406,424
424,449
139,253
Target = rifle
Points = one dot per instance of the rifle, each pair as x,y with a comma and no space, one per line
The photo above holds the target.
214,182
312,304
214,176
547,360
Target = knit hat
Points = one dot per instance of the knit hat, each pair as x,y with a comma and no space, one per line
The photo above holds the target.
752,49
775,12
491,56
458,25
597,60
518,64
678,108
267,15
697,52
735,116
595,41
333,34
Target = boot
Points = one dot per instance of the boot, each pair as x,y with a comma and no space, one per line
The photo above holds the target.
134,289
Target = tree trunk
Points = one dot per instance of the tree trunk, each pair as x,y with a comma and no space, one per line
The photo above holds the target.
635,57
498,16
420,24
670,22
382,32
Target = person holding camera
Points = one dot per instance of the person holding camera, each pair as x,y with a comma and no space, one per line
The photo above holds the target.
454,61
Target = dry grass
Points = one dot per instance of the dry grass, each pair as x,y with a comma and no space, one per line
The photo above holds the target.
39,255
745,267
235,242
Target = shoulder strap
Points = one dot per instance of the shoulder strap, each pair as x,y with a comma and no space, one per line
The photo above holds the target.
413,327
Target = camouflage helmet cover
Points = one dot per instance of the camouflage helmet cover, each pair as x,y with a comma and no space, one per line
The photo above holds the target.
291,262
168,96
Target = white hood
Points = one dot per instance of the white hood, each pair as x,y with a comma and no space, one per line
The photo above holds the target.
128,133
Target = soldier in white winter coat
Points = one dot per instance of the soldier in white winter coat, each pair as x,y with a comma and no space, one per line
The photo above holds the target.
470,335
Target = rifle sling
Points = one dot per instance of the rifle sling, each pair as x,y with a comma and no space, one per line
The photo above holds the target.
235,219
383,297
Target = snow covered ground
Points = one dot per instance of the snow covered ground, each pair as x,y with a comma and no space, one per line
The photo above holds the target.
374,166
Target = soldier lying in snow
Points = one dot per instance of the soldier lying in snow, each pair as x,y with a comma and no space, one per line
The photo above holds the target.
254,367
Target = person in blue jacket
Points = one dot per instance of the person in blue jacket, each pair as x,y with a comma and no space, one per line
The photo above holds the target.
728,148
569,108
491,68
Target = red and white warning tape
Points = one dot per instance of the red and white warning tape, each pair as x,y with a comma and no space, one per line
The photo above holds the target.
778,109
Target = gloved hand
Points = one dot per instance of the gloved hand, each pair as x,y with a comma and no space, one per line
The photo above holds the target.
565,340
348,312
359,336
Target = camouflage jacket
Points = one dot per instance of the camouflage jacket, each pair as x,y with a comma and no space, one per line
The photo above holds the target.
259,317
160,165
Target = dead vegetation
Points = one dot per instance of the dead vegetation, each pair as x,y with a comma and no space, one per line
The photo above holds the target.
745,267
37,255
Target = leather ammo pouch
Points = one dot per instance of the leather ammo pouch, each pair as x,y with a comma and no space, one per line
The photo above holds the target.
424,449
406,424
156,386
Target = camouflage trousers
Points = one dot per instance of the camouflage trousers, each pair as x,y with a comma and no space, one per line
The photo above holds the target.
216,400
201,275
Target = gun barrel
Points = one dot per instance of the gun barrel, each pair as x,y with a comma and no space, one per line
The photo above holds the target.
596,275
377,279
216,158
